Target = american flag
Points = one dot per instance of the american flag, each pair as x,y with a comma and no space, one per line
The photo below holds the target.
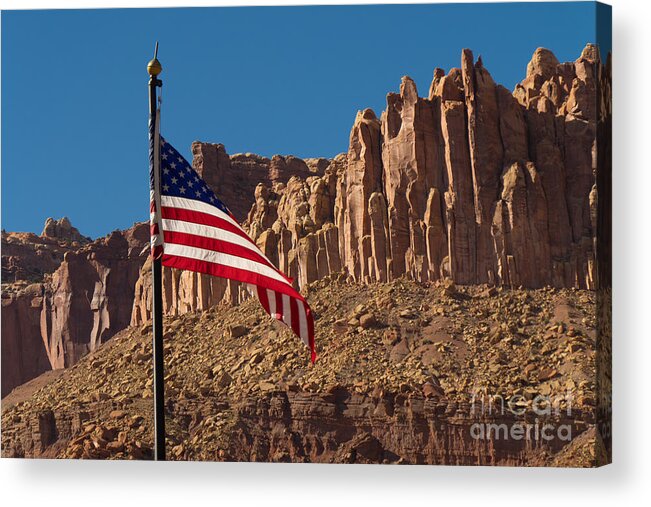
191,229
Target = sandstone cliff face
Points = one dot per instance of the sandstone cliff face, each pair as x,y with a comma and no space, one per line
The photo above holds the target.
472,183
90,297
23,354
236,176
79,304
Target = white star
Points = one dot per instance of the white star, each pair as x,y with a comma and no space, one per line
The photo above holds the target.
181,173
180,158
182,190
166,170
190,183
196,178
174,180
198,193
164,156
173,165
166,188
212,198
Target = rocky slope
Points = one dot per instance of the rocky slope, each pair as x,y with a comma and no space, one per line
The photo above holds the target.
472,183
406,374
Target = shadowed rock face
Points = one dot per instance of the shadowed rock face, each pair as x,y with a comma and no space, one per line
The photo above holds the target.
474,183
90,297
23,354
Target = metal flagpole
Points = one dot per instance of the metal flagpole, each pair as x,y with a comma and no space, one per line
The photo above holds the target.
154,68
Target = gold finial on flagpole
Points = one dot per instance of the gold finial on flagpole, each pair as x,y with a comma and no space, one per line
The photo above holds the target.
154,67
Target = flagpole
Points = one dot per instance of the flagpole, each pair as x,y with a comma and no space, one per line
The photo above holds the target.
154,68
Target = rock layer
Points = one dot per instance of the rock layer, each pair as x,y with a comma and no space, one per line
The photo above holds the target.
237,176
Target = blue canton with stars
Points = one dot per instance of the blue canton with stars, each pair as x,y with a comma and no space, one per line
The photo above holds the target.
178,179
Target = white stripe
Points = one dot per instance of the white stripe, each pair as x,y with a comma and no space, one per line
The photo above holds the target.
302,319
208,231
192,205
287,311
223,259
271,297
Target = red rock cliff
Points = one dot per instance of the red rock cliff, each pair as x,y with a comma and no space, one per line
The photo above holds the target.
474,183
78,305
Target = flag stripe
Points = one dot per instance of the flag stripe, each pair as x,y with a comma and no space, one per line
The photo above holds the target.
302,322
287,312
271,299
223,259
194,205
197,217
296,326
216,245
262,296
310,332
174,260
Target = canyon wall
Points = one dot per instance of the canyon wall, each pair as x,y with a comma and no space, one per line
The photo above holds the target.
75,307
473,183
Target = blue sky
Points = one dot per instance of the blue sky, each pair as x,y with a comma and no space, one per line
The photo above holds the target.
285,80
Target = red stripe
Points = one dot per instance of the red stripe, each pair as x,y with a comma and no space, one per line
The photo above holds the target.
241,275
197,217
153,229
296,323
152,206
264,301
156,252
217,245
310,331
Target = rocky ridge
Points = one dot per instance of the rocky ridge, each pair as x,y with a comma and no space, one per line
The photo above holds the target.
402,375
472,183
28,257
